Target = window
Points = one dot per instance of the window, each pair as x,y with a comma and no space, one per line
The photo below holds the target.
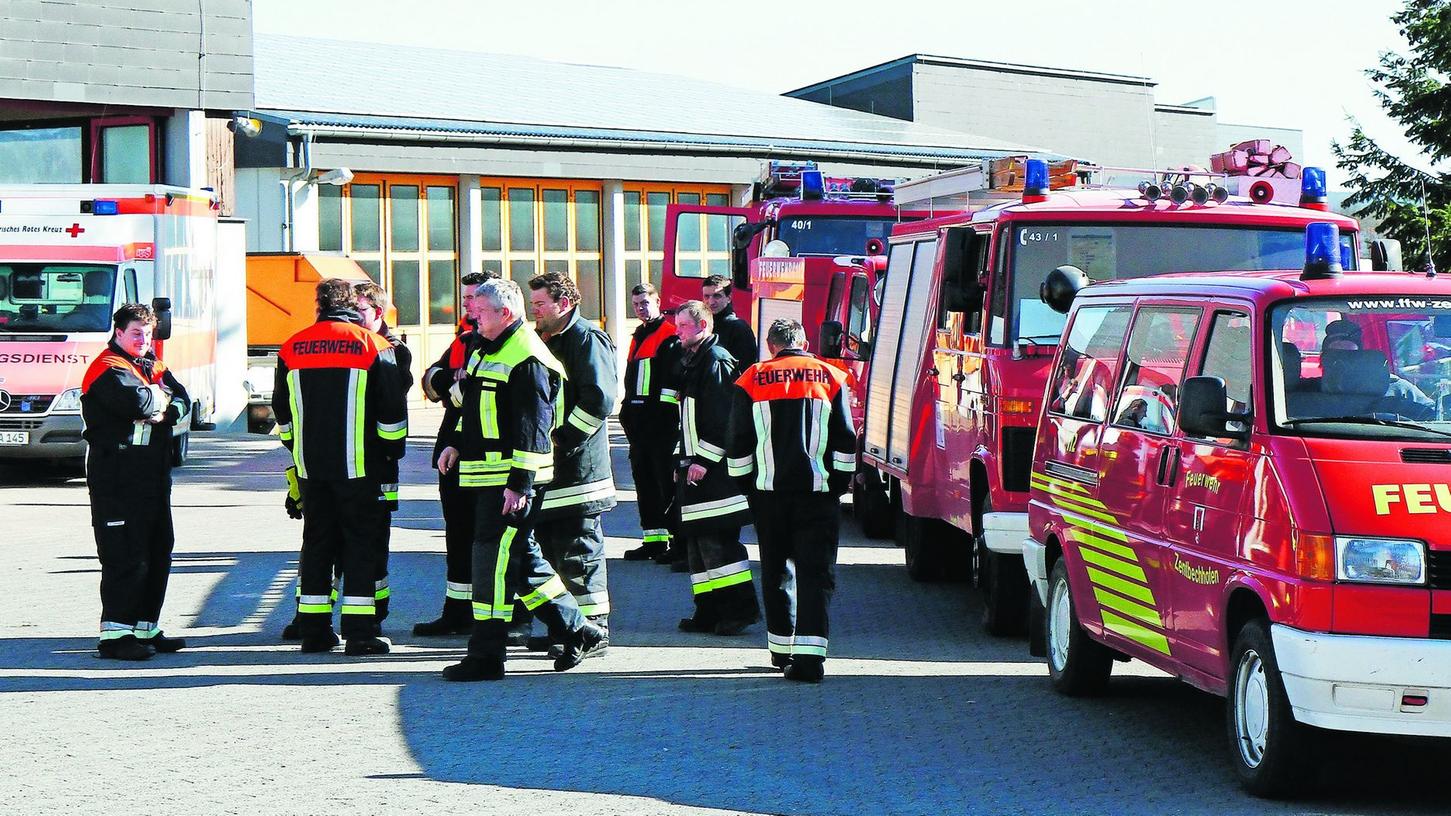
858,328
123,150
56,297
645,231
1153,368
41,156
1083,382
1227,356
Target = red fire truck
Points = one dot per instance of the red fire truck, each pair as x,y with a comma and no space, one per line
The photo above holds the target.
963,345
799,220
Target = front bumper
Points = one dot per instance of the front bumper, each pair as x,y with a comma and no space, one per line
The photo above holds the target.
1003,532
1035,560
53,436
1357,682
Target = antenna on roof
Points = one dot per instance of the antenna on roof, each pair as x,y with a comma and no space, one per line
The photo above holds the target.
1426,222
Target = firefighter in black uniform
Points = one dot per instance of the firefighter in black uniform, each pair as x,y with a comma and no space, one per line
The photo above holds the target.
130,403
649,417
794,443
442,384
568,521
734,333
710,505
373,305
512,395
341,411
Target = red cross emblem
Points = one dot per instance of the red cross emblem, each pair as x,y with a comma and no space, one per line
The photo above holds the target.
75,230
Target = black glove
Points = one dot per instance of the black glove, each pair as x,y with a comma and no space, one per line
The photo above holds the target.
293,502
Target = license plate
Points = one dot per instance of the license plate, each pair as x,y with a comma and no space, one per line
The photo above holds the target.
14,437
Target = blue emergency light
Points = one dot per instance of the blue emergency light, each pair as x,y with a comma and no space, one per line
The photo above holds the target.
103,207
1312,187
813,185
1322,251
1035,178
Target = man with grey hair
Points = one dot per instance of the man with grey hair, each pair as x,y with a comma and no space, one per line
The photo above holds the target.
503,451
794,445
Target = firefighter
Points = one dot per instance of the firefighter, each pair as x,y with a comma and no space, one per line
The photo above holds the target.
441,384
512,396
342,412
373,304
130,403
711,508
795,444
568,520
734,333
649,417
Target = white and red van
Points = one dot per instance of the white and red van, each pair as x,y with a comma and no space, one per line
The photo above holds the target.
1243,479
69,256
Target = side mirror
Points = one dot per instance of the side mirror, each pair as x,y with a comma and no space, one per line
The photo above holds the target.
1061,286
1385,255
832,336
162,307
1201,410
745,231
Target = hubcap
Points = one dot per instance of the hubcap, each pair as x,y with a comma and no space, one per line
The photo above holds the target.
1060,618
1251,709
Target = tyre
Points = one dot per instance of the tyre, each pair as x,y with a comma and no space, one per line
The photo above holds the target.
1004,585
1077,665
180,449
1267,745
871,505
925,557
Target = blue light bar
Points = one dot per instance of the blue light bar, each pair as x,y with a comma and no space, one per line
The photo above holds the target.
1322,251
1035,178
813,185
1312,187
103,207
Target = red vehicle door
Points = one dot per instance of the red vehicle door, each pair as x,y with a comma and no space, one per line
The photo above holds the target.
1130,573
698,245
1207,514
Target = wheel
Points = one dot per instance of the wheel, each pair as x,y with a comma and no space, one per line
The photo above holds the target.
871,505
1266,743
924,556
1078,665
1004,585
180,449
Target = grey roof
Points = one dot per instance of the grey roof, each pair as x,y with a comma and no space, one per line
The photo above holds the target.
362,87
988,65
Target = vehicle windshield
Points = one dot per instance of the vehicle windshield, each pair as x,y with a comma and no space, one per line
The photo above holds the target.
815,235
1373,367
1109,252
56,297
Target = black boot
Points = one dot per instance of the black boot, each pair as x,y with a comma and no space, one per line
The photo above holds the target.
647,551
291,630
601,622
578,646
780,661
474,668
368,645
445,625
672,553
324,641
806,670
165,645
123,648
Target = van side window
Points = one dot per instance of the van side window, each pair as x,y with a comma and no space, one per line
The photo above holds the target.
132,296
1227,356
1158,349
1082,384
857,329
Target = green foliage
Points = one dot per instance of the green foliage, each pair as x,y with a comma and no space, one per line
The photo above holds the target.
1413,89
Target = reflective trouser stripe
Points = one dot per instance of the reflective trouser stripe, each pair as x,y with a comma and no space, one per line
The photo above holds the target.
110,630
381,590
314,604
594,603
808,645
721,577
354,605
147,630
655,534
545,592
499,606
457,591
778,644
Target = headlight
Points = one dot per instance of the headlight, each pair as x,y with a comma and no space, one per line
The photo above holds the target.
1380,560
69,402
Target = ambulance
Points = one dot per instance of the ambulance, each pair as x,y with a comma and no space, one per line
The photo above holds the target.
1244,479
962,349
70,255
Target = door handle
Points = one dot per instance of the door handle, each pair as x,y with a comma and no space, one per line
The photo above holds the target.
959,377
932,372
1168,465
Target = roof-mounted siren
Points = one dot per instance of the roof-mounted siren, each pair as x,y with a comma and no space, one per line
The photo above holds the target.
1151,190
1322,251
1035,181
813,185
1312,189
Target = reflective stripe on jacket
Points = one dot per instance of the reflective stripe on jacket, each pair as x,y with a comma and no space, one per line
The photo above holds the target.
793,430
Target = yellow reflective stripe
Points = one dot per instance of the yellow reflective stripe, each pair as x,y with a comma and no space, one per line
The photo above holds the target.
1126,553
1128,607
642,383
585,421
483,611
501,565
720,507
670,396
1065,483
485,480
1123,568
530,460
393,430
1077,499
1074,508
740,465
489,413
294,401
1080,521
545,592
315,609
1138,592
1135,632
360,404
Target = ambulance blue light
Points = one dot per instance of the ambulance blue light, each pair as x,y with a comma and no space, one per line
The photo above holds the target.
1322,251
813,185
1035,178
1312,188
103,207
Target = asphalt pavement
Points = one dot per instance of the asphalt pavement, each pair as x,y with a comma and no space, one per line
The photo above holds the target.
920,713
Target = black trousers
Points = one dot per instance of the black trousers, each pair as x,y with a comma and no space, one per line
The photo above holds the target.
575,547
720,577
458,541
507,564
652,465
343,524
134,540
803,528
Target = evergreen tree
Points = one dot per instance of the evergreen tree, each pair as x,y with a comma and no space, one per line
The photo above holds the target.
1413,89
